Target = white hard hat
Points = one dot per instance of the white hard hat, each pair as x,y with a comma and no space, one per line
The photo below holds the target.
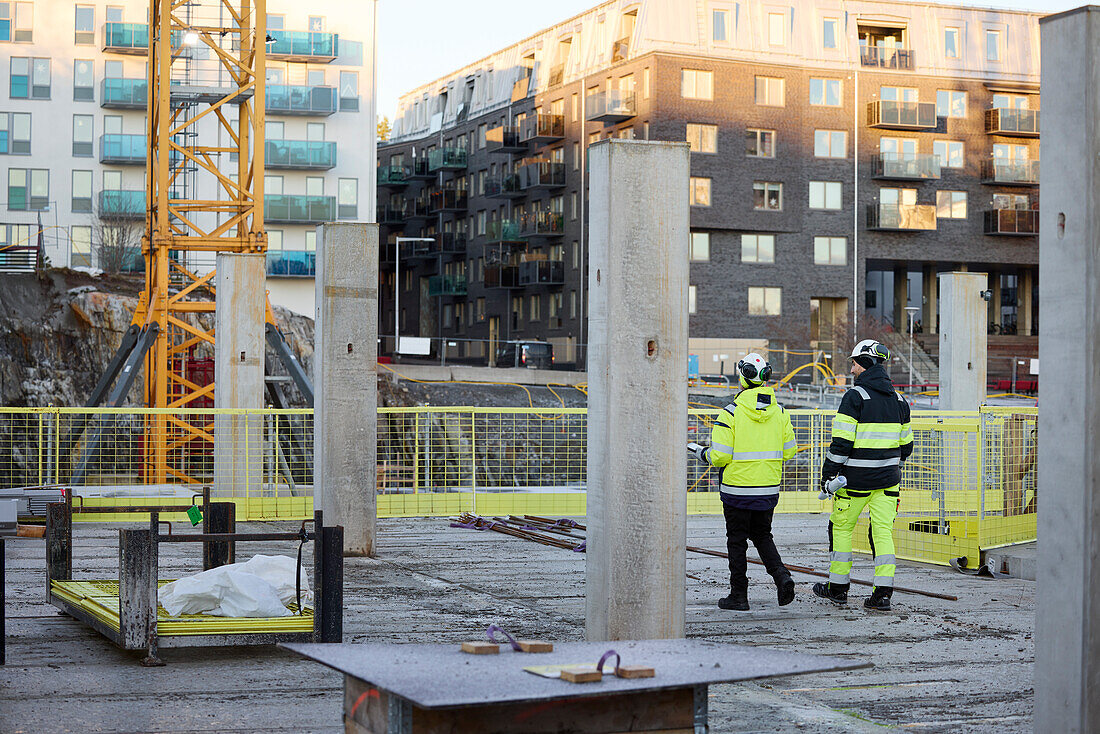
871,348
754,368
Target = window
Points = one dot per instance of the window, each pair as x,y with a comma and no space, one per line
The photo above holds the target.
83,80
765,301
950,153
349,91
315,186
691,299
534,308
19,86
951,204
830,250
825,92
576,255
899,94
703,138
28,189
82,191
700,246
898,149
276,22
112,180
828,32
573,205
572,304
112,124
700,191
1008,152
85,25
696,84
760,143
555,308
480,310
576,156
720,26
767,196
825,194
82,135
311,240
758,248
1010,201
316,23
777,30
830,144
481,131
17,22
481,222
40,79
1010,101
992,45
15,133
769,91
347,198
950,103
951,43
81,237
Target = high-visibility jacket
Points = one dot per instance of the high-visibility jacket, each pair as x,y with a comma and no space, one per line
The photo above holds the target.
750,440
871,434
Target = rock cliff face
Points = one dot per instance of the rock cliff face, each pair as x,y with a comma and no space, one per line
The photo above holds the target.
59,329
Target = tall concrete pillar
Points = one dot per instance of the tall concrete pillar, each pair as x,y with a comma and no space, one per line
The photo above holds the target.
1024,285
901,299
963,340
239,307
930,299
345,376
1067,644
637,402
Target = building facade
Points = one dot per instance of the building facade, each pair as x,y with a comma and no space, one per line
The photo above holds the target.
843,153
73,131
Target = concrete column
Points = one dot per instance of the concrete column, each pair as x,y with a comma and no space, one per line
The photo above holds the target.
995,301
931,294
345,375
1024,286
239,309
1067,645
901,299
637,404
963,340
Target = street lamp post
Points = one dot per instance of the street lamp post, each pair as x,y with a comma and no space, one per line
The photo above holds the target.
397,285
911,310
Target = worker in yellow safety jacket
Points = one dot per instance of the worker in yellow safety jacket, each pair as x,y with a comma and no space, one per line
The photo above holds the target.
750,440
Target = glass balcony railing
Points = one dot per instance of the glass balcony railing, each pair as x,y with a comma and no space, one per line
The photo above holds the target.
542,175
310,45
292,263
126,37
293,99
420,170
615,105
542,224
447,285
447,200
1013,222
501,275
416,208
450,243
503,230
887,58
392,213
1010,172
892,114
299,208
417,249
542,272
124,94
541,129
447,159
122,149
395,176
901,217
300,154
1017,123
503,139
896,166
504,187
121,204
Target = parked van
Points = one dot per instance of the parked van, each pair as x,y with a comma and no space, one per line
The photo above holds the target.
530,354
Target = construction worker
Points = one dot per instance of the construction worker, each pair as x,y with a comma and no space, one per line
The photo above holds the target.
750,440
871,438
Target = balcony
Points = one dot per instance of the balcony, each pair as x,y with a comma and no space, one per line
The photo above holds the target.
450,243
504,230
417,208
901,217
299,209
1010,172
542,175
420,170
542,129
126,38
124,94
447,201
887,58
892,115
392,214
504,139
504,187
447,285
557,75
542,272
619,50
898,167
542,224
293,263
1012,122
292,99
122,150
501,275
613,106
417,250
121,204
305,155
1012,222
447,159
394,177
303,46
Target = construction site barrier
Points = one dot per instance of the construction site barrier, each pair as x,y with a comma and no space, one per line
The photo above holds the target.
970,485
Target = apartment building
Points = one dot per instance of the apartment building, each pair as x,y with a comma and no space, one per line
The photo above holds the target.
843,153
73,131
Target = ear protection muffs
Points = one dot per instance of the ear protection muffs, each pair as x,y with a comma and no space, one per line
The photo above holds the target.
748,370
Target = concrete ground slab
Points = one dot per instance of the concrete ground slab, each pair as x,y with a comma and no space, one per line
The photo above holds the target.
939,666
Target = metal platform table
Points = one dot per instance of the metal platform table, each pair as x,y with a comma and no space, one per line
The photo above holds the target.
437,689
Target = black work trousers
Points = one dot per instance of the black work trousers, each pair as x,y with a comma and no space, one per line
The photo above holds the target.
754,525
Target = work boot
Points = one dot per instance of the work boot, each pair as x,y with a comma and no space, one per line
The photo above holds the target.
784,588
836,593
879,600
738,601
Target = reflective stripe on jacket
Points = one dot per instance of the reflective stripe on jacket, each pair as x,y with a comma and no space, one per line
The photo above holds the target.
750,440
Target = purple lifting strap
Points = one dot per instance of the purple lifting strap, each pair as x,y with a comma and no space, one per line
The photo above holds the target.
583,547
606,655
511,640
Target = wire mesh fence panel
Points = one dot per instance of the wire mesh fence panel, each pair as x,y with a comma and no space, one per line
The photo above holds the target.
1009,480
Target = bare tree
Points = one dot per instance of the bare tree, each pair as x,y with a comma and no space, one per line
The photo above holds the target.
116,231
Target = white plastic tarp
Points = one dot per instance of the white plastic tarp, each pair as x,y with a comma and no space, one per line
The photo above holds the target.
259,587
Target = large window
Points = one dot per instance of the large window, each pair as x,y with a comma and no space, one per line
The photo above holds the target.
703,138
28,189
85,25
769,91
951,204
80,238
83,80
830,144
1010,101
951,43
720,20
700,246
830,250
347,198
82,191
15,133
695,84
758,248
767,196
825,92
760,143
825,194
40,78
777,29
828,32
349,91
765,301
17,22
950,153
950,103
992,45
82,135
700,191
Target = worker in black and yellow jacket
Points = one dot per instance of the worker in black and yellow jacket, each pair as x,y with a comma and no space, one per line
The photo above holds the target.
750,440
871,438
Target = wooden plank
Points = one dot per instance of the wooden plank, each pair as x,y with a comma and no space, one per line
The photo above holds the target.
137,588
535,645
480,648
581,675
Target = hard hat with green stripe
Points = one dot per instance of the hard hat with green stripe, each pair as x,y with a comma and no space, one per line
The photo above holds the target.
871,349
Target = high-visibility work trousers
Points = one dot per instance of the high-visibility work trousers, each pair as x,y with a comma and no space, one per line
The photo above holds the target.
883,507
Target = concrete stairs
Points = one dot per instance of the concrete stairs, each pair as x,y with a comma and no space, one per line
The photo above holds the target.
926,370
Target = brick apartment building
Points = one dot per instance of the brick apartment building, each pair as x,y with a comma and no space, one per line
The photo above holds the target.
843,154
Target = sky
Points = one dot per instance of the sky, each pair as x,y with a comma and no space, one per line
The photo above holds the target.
422,40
